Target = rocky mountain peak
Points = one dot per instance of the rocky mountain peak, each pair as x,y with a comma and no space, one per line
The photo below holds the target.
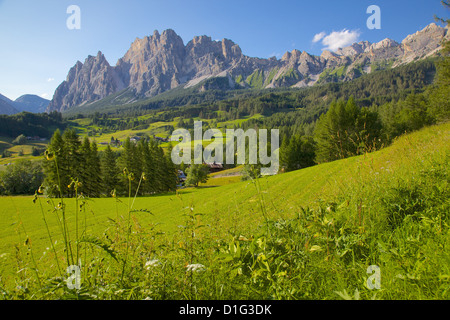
354,49
423,43
93,80
383,44
160,62
230,50
292,56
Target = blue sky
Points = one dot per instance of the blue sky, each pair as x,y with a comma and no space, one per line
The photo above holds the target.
37,48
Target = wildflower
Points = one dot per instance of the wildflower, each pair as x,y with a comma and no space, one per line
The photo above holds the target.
315,248
41,189
27,242
195,267
49,155
242,238
152,263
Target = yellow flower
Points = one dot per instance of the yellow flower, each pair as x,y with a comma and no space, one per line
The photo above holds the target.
49,155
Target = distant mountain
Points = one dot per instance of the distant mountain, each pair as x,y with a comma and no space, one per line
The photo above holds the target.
7,106
161,62
27,102
31,103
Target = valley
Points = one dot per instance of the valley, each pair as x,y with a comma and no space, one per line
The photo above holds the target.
100,200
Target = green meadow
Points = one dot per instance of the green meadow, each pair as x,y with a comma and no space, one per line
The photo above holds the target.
306,234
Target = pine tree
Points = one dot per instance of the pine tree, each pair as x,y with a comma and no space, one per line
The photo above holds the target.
284,153
298,153
325,135
72,160
160,172
110,171
171,172
345,130
94,168
130,163
148,167
85,172
53,182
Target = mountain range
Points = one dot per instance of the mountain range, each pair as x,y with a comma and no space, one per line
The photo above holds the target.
26,102
162,62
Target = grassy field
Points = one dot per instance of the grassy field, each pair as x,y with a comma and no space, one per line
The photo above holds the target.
84,127
307,234
26,149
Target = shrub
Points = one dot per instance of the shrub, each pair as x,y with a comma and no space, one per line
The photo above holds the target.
20,140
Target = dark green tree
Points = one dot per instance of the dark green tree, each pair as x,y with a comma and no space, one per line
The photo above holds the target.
196,174
149,163
84,170
130,163
94,168
298,153
345,130
22,177
53,166
21,139
71,160
110,171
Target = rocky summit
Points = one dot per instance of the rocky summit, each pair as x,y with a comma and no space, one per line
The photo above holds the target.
161,62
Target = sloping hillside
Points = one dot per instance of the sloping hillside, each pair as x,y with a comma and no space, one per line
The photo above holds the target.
324,226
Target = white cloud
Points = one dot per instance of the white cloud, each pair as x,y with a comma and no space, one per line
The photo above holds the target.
318,37
50,79
45,95
275,54
340,39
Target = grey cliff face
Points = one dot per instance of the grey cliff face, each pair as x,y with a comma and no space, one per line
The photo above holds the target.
91,81
161,62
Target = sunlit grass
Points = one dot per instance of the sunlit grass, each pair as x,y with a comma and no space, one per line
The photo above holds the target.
307,234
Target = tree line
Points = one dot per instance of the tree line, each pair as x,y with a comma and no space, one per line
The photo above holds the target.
74,166
340,126
347,129
31,124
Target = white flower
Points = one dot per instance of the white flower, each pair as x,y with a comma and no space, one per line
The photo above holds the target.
195,267
152,263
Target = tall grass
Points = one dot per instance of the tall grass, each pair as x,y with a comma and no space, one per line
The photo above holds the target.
391,212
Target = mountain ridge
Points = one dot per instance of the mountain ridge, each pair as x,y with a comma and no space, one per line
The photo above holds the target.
27,102
161,62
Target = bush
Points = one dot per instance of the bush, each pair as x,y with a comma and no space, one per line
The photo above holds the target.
22,177
36,151
197,173
6,154
20,140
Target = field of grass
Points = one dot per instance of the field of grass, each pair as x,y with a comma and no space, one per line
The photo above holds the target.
26,149
307,234
84,127
224,177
